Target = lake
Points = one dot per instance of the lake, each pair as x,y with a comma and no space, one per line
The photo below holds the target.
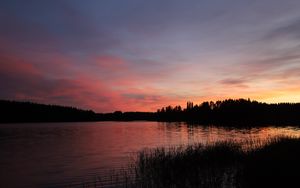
71,154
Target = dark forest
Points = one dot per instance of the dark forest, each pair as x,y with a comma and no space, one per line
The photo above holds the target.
230,111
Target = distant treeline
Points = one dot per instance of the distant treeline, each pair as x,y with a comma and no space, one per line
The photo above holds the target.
17,112
240,111
12,111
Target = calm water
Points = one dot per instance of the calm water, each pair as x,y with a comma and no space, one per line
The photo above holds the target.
68,154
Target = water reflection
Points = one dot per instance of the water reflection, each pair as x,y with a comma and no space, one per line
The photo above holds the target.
60,154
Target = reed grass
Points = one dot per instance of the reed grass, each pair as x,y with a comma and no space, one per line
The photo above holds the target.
221,164
272,163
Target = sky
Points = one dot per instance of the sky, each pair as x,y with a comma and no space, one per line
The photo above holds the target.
138,55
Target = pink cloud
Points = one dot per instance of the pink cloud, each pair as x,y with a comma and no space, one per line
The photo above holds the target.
25,81
13,65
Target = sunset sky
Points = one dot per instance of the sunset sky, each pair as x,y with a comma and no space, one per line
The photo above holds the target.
135,55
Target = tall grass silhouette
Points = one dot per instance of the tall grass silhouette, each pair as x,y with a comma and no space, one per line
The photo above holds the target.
221,164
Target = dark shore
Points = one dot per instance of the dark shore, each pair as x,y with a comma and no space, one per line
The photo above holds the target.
239,112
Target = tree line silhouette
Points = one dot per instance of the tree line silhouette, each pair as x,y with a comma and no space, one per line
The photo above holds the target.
233,111
239,111
13,111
